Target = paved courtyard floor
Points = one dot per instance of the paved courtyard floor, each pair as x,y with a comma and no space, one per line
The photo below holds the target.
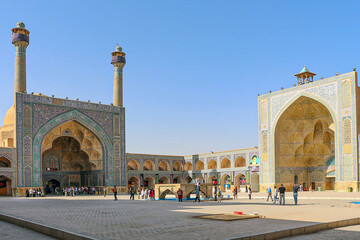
10,231
104,218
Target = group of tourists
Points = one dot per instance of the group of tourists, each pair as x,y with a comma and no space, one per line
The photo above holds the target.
143,193
75,191
34,192
281,193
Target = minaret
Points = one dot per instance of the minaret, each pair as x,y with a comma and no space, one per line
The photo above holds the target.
118,61
20,39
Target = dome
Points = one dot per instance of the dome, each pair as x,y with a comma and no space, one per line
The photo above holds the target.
10,116
118,48
20,25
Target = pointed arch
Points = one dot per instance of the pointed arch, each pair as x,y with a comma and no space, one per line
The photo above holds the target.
240,162
188,166
225,163
89,124
133,165
212,164
134,181
177,166
199,165
308,143
164,180
164,166
149,181
149,166
5,162
178,179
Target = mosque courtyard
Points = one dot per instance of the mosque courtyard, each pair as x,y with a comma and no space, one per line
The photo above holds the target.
96,217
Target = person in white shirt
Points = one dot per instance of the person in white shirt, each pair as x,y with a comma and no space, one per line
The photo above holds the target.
142,193
275,194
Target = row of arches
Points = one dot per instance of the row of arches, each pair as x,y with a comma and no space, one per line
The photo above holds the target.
149,181
178,166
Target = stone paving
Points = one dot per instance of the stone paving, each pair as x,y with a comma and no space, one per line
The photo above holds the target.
10,231
348,233
104,218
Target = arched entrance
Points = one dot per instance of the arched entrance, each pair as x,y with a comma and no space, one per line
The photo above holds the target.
99,147
5,186
133,181
4,162
225,183
149,182
304,140
51,185
72,156
211,178
254,182
178,179
164,180
240,179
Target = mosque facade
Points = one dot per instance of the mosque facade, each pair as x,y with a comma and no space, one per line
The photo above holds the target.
52,141
308,135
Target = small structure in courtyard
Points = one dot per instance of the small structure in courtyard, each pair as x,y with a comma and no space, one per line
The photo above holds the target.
161,190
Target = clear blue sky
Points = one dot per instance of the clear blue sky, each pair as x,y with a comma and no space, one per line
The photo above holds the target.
194,68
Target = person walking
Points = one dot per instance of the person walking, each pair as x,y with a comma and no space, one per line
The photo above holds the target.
132,192
142,193
275,194
104,189
295,193
115,193
146,193
249,192
235,192
139,193
151,194
218,195
197,194
198,182
269,194
180,194
282,190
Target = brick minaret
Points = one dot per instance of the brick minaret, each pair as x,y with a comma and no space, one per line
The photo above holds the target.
118,61
20,39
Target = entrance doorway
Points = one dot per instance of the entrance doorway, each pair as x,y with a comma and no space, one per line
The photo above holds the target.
5,186
71,155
